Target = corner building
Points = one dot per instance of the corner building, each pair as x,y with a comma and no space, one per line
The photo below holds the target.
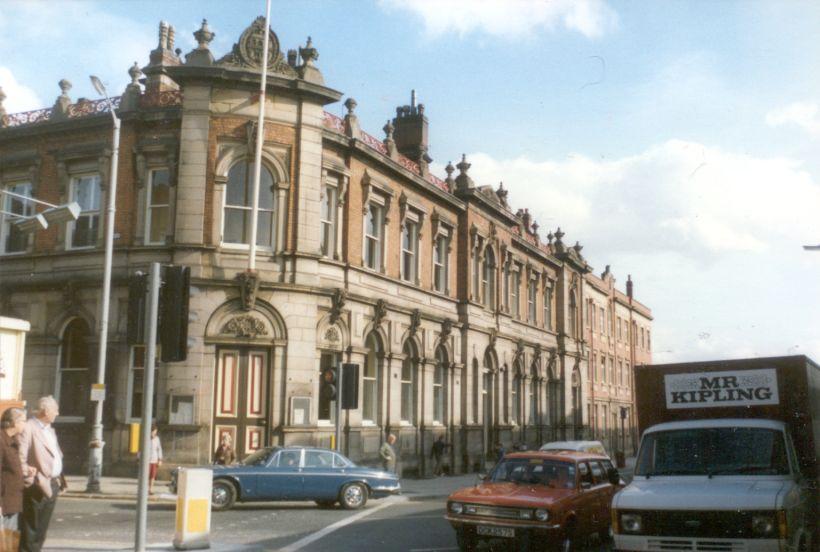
465,321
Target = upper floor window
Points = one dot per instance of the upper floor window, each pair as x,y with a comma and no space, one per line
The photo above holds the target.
506,290
573,314
328,216
239,204
515,288
532,294
648,343
410,250
488,279
85,190
374,236
12,239
440,387
441,263
602,329
547,307
158,217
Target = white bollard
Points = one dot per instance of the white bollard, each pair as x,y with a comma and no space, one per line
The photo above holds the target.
193,520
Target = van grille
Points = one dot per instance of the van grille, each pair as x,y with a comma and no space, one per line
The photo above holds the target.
709,525
684,545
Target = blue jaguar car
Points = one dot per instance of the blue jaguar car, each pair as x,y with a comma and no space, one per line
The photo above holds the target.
299,473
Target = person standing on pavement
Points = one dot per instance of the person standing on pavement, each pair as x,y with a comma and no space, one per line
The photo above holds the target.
155,460
437,454
225,455
388,454
499,452
11,477
42,463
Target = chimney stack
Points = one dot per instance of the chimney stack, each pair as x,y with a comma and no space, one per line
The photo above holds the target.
629,286
411,130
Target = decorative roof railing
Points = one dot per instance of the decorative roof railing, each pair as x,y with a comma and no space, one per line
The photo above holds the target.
337,124
84,108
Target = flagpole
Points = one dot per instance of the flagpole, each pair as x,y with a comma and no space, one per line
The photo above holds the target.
260,138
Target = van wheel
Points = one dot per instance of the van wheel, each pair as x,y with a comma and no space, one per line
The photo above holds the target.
223,495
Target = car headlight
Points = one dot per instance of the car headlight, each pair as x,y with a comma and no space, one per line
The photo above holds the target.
631,523
456,507
763,525
525,514
469,509
542,515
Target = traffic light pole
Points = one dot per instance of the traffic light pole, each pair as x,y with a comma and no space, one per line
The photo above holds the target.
339,388
147,405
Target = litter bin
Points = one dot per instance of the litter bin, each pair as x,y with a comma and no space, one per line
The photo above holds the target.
620,459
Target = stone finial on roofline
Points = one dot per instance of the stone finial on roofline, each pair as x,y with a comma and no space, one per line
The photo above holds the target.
389,142
130,99
201,55
308,71
502,194
450,181
352,129
60,110
463,180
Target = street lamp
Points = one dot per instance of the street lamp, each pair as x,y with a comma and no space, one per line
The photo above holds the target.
55,214
96,444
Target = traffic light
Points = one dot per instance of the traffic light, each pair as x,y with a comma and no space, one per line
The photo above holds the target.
173,313
327,389
137,287
350,386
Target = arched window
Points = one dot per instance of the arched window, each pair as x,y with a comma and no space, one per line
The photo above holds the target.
409,371
506,395
74,381
488,279
371,379
236,226
440,387
533,397
573,314
516,397
476,387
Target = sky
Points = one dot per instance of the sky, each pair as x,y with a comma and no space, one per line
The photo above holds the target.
677,141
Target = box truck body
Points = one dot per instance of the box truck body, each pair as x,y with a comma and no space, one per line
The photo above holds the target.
728,458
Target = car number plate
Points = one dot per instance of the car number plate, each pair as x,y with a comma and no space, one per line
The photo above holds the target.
505,532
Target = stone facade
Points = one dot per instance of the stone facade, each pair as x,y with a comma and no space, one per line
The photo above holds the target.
464,320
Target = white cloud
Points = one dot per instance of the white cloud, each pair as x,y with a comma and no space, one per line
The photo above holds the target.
712,239
18,96
510,18
806,115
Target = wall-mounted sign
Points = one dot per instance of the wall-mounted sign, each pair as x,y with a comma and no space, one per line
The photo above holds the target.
721,389
97,391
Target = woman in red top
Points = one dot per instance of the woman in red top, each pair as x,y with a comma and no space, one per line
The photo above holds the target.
12,422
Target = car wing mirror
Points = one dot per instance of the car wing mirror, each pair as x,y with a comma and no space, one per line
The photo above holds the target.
613,476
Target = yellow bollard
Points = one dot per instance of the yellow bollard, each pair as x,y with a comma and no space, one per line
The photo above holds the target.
134,438
193,517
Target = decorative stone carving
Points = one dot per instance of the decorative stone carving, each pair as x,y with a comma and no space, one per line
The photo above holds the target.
493,338
379,312
332,334
415,321
60,109
450,181
446,329
463,180
251,128
337,303
248,288
352,129
248,52
70,295
519,350
245,325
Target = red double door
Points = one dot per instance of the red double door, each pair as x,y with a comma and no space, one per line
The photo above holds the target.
241,398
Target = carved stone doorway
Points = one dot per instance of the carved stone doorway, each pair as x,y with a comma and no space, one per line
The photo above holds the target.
241,398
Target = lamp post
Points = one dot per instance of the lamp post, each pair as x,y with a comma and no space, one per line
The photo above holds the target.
95,446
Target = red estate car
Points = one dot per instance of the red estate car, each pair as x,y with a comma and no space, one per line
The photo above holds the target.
537,501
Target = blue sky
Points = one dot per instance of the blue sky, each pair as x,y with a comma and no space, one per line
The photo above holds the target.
676,140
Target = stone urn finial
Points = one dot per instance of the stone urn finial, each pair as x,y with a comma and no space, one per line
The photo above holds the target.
65,86
350,105
309,53
388,131
203,36
135,73
463,165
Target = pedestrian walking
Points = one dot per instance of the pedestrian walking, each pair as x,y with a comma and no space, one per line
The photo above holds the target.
155,459
225,455
42,463
388,454
12,423
437,454
499,452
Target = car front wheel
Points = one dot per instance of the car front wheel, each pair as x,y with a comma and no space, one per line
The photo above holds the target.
223,495
353,496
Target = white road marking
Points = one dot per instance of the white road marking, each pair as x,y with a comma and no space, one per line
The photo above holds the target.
301,543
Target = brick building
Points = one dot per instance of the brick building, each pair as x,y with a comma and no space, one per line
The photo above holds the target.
465,320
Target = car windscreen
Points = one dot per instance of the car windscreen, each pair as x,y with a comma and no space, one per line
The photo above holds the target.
535,471
257,457
713,451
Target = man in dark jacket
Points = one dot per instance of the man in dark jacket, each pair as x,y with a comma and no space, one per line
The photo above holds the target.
437,454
